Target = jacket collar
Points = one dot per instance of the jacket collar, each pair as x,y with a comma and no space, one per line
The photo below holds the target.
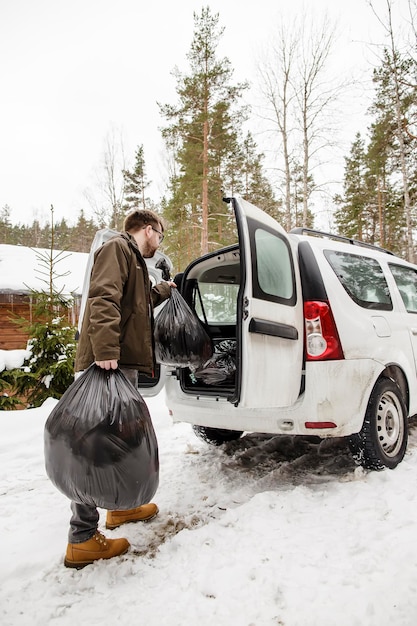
132,243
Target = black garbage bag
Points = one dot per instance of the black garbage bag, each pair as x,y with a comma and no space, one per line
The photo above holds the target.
100,445
180,338
221,366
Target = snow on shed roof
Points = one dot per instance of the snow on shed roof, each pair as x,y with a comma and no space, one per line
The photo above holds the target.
20,270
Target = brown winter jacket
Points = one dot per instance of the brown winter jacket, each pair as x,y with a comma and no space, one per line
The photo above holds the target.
118,318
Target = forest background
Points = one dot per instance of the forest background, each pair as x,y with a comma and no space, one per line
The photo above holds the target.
285,166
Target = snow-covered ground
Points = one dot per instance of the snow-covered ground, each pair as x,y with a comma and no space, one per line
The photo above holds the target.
263,532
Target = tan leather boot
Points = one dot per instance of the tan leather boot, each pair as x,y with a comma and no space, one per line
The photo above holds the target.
98,547
142,513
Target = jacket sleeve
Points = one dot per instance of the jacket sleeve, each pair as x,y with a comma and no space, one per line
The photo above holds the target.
109,274
159,293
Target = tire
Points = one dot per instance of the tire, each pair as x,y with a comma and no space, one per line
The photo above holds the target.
216,436
382,441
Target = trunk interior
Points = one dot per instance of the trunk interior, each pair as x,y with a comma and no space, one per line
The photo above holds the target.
211,286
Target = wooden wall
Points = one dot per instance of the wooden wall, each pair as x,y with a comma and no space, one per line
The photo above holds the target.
20,305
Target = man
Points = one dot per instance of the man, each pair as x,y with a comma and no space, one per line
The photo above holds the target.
117,331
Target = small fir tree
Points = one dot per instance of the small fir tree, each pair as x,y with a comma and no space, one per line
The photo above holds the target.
50,368
8,401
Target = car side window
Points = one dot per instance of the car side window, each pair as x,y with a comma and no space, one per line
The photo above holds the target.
406,279
362,278
273,268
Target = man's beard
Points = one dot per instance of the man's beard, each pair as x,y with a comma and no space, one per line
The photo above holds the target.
148,250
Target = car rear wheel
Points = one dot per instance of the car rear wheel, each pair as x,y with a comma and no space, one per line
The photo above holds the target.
216,436
382,441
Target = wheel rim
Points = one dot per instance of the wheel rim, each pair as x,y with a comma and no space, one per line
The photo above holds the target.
390,424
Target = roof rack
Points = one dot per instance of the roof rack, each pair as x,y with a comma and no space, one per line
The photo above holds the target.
354,242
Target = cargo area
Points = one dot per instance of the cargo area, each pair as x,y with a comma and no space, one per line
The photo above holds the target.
211,289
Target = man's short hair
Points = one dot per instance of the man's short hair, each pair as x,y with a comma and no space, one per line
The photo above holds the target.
139,218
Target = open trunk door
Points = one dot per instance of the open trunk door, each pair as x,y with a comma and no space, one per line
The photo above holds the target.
270,318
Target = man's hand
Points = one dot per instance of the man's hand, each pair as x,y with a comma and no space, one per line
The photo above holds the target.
108,365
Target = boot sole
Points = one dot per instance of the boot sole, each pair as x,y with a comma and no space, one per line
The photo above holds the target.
131,521
81,564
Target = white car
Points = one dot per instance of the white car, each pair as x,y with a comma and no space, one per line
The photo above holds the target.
314,334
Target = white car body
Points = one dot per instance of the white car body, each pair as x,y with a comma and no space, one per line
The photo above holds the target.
325,336
278,388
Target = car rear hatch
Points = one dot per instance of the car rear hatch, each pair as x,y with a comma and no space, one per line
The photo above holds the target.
248,297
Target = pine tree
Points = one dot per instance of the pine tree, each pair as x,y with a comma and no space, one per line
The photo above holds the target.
351,217
245,176
62,235
394,104
136,184
82,234
381,182
5,225
201,135
371,207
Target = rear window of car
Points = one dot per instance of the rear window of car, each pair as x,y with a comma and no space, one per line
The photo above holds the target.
406,279
362,278
272,265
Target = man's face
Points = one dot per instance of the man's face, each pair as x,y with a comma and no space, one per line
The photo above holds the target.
152,242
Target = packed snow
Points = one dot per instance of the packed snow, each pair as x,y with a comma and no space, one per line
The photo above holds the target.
11,359
266,531
22,269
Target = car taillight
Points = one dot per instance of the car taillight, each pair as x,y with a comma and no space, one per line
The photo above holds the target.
322,338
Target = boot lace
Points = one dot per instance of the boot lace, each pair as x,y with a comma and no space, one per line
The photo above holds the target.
100,538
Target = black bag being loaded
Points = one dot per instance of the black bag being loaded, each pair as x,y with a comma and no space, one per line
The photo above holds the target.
180,338
100,445
222,365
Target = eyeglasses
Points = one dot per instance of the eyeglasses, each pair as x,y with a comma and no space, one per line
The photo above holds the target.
161,234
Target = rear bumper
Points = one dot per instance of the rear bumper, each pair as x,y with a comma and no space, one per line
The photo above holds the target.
336,392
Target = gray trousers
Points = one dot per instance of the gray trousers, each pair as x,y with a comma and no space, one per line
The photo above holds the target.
84,520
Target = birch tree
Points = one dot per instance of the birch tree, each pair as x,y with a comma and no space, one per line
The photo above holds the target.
107,197
315,94
299,96
275,77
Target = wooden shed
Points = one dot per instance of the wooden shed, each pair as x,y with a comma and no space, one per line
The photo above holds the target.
21,270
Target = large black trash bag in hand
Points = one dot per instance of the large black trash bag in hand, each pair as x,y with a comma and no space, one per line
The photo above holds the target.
100,445
180,338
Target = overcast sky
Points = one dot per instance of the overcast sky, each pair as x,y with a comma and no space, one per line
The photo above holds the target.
73,71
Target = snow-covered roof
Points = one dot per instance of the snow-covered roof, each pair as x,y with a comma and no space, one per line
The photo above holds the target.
20,269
